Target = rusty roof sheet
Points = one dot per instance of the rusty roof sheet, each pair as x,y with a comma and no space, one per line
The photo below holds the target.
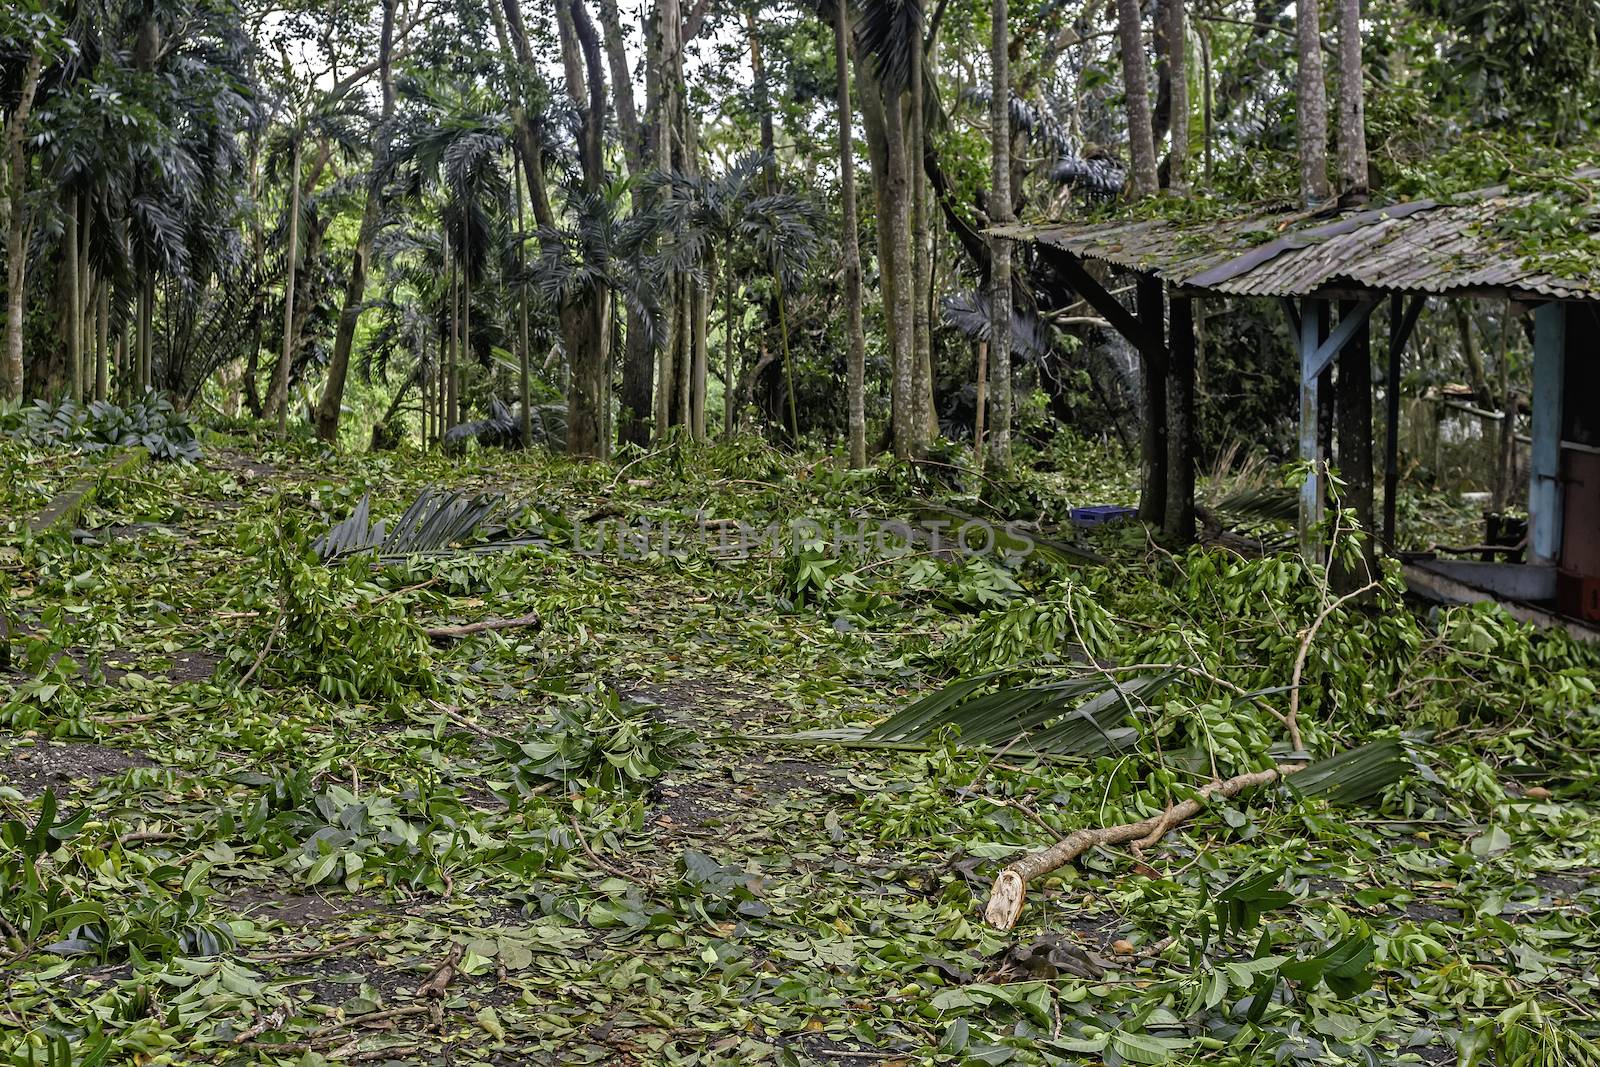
1419,246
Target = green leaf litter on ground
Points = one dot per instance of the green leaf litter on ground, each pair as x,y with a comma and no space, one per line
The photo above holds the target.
249,814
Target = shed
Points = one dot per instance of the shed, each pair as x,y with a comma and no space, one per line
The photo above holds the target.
1329,273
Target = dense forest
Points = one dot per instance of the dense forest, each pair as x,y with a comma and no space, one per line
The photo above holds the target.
815,532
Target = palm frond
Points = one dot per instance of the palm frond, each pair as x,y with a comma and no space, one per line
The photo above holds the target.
1082,716
437,521
1031,336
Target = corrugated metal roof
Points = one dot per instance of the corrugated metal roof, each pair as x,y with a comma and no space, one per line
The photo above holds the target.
1420,246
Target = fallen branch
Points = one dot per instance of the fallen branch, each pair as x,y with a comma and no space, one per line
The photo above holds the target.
371,1019
1011,886
263,1023
1291,722
442,975
530,620
611,869
314,953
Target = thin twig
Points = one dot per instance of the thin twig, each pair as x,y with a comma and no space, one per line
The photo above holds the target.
1292,720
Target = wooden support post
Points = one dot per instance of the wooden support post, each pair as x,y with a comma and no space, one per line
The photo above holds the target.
1391,429
1179,526
1150,295
1402,320
1313,323
1544,495
1354,420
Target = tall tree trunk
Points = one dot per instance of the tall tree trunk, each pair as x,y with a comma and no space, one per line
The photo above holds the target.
1313,103
71,258
1136,79
763,101
900,286
1178,65
730,360
705,298
1000,247
18,226
977,418
1206,106
921,255
452,356
102,344
666,392
278,399
638,355
86,303
586,318
1352,128
331,402
788,360
849,241
524,355
147,315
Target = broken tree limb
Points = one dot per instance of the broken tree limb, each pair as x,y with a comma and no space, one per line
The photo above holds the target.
1291,722
442,976
446,633
1011,886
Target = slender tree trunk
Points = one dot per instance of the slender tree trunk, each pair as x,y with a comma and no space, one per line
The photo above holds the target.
330,404
18,226
453,349
586,318
1352,127
977,418
788,360
686,354
729,356
849,241
763,101
1000,247
524,355
1178,64
102,346
638,355
666,379
1136,78
147,332
899,284
86,303
705,297
921,256
74,309
278,401
1313,103
1206,103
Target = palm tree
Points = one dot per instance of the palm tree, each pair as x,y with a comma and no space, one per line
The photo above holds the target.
707,217
460,152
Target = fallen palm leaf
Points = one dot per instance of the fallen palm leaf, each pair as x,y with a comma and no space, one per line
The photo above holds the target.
1081,716
1366,770
437,521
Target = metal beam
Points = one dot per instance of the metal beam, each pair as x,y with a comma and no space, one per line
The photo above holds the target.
1544,495
1348,325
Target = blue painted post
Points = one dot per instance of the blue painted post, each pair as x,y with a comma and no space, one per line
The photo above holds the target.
1313,324
1544,495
